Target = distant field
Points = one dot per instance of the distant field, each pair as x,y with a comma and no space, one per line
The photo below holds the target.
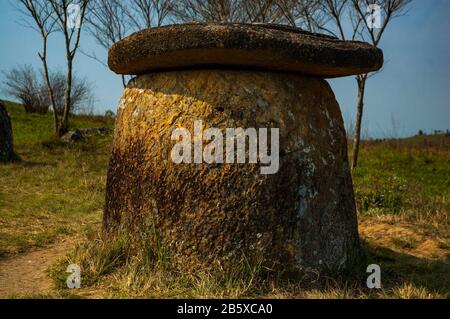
402,190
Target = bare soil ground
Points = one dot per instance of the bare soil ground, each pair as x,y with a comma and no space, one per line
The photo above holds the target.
25,274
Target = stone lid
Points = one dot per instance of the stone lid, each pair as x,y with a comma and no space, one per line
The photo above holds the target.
241,46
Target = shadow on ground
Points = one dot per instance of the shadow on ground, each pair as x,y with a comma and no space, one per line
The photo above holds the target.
401,268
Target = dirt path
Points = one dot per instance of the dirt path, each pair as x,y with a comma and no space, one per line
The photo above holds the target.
25,274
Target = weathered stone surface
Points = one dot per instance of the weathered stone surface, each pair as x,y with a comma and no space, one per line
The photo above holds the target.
242,46
6,136
302,217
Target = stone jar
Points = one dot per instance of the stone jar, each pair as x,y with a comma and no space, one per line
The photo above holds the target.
7,154
236,76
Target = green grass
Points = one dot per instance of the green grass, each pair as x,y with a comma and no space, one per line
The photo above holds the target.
34,204
57,191
33,129
408,178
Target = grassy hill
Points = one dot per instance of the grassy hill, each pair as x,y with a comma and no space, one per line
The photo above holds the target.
402,192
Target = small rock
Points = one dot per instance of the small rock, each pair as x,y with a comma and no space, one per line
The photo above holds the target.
95,130
72,136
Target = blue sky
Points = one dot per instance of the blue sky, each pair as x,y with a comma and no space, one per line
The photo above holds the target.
414,87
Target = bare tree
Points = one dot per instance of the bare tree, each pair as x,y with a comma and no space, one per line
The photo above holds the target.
39,16
233,11
29,87
70,25
82,96
23,84
208,10
46,17
304,14
262,11
144,14
333,17
107,21
363,9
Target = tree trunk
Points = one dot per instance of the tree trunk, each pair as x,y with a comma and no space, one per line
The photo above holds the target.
6,137
43,58
359,114
64,125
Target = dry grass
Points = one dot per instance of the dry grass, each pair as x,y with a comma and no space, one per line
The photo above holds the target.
408,271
